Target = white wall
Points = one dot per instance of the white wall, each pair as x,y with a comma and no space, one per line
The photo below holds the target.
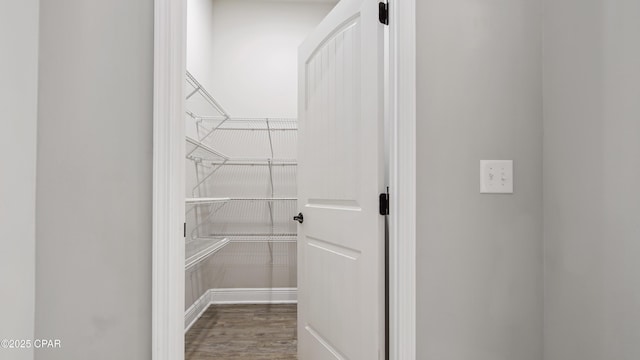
244,265
18,120
591,175
200,33
93,256
479,257
255,54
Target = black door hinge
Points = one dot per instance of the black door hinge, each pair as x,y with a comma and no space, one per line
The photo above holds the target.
185,230
384,203
383,12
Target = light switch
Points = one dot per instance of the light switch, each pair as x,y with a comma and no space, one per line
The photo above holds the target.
496,176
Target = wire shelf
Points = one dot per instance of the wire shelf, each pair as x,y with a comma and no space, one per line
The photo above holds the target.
248,217
251,138
199,249
243,185
197,149
199,102
244,181
269,254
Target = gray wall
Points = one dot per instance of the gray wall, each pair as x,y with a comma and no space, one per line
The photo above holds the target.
93,257
591,175
18,120
479,257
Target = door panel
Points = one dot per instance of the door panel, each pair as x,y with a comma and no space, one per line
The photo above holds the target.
341,242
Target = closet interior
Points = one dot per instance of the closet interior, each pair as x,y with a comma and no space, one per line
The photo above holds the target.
241,136
244,173
241,192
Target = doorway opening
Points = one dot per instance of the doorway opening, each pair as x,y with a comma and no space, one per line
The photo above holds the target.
168,290
241,165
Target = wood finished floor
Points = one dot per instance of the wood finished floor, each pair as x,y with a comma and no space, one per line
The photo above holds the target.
243,332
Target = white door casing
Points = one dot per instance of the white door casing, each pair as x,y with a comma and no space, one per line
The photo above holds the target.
168,311
341,173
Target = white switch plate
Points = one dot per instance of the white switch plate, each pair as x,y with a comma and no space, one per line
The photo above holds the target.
496,176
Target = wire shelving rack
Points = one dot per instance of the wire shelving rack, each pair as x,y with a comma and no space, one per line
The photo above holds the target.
244,189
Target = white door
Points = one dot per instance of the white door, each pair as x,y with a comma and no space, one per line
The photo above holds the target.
341,174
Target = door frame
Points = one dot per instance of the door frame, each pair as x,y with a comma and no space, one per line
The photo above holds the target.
402,180
168,283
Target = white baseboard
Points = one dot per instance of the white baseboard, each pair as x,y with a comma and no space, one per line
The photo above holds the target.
238,296
254,296
193,313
